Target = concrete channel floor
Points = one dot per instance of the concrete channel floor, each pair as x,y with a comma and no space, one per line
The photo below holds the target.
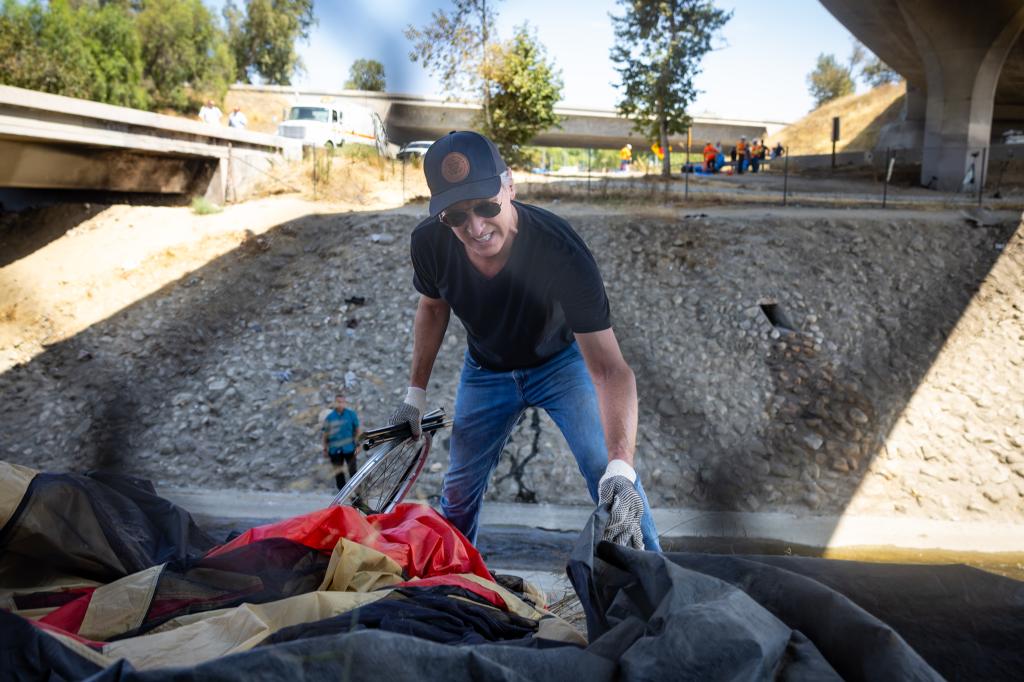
810,531
534,540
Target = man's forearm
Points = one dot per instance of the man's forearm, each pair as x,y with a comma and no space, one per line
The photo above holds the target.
428,332
616,391
617,400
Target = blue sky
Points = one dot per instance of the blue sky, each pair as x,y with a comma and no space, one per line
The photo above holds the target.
757,72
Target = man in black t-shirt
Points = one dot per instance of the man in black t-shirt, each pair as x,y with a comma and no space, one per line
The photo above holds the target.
532,301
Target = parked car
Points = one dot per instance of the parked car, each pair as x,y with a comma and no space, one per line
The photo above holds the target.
414,149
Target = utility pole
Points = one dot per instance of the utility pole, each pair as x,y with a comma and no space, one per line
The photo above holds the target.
487,73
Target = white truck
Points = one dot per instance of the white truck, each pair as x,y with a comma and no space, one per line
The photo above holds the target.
330,123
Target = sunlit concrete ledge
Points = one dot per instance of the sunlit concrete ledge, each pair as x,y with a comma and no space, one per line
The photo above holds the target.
810,531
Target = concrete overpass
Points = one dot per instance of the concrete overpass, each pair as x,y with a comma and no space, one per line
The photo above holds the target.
964,66
54,142
412,117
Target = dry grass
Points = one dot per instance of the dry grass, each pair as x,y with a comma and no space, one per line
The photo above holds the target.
570,609
861,119
352,175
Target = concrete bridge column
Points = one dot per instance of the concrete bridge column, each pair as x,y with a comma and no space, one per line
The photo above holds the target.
908,132
963,46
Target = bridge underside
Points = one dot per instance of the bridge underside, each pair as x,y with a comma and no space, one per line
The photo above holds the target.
406,122
410,117
54,142
964,66
31,164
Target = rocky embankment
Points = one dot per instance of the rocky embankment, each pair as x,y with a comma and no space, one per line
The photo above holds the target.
786,360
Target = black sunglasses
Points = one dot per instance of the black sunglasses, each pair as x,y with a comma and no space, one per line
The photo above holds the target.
458,218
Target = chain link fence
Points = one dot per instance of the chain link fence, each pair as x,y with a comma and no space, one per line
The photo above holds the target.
993,178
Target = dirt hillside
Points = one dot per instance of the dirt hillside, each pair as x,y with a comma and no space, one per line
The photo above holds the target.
263,110
861,118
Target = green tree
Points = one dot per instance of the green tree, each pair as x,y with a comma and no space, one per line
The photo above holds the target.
234,21
366,74
263,42
457,47
514,82
42,48
82,50
185,54
658,48
526,88
875,72
829,80
113,41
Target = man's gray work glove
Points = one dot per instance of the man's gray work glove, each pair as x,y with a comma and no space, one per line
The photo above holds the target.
616,489
411,411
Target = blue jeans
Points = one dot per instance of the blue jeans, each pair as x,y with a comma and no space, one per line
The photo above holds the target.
489,404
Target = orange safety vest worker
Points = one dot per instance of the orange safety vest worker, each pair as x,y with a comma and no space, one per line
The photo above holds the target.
626,153
741,147
710,153
755,150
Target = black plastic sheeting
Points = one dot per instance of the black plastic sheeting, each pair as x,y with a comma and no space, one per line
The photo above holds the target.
650,616
261,572
429,614
100,526
700,616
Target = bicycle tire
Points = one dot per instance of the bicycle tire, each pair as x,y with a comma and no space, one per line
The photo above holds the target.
386,478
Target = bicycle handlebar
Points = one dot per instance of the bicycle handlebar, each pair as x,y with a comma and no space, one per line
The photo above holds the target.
432,421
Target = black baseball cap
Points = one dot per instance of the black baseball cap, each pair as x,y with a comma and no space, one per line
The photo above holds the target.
462,165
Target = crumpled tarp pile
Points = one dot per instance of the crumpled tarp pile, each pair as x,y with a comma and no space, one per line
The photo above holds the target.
101,579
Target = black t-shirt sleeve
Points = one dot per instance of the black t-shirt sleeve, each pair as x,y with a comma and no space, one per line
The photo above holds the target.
424,262
580,290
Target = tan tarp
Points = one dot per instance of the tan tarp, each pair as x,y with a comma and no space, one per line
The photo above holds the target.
55,583
14,480
200,637
120,606
358,568
237,629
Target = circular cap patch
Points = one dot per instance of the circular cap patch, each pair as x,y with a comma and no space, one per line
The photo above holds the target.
455,167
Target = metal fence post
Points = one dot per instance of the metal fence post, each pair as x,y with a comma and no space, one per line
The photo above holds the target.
314,172
589,150
785,176
229,191
981,174
885,178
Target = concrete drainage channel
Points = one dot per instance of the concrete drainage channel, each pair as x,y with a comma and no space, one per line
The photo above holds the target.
534,540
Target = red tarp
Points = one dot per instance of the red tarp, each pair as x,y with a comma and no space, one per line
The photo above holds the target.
413,535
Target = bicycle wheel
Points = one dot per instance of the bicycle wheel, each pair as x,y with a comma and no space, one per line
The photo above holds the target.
390,470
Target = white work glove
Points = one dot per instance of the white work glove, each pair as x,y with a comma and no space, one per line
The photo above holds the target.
617,490
411,410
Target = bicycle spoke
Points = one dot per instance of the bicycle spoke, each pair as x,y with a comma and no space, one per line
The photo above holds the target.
387,475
